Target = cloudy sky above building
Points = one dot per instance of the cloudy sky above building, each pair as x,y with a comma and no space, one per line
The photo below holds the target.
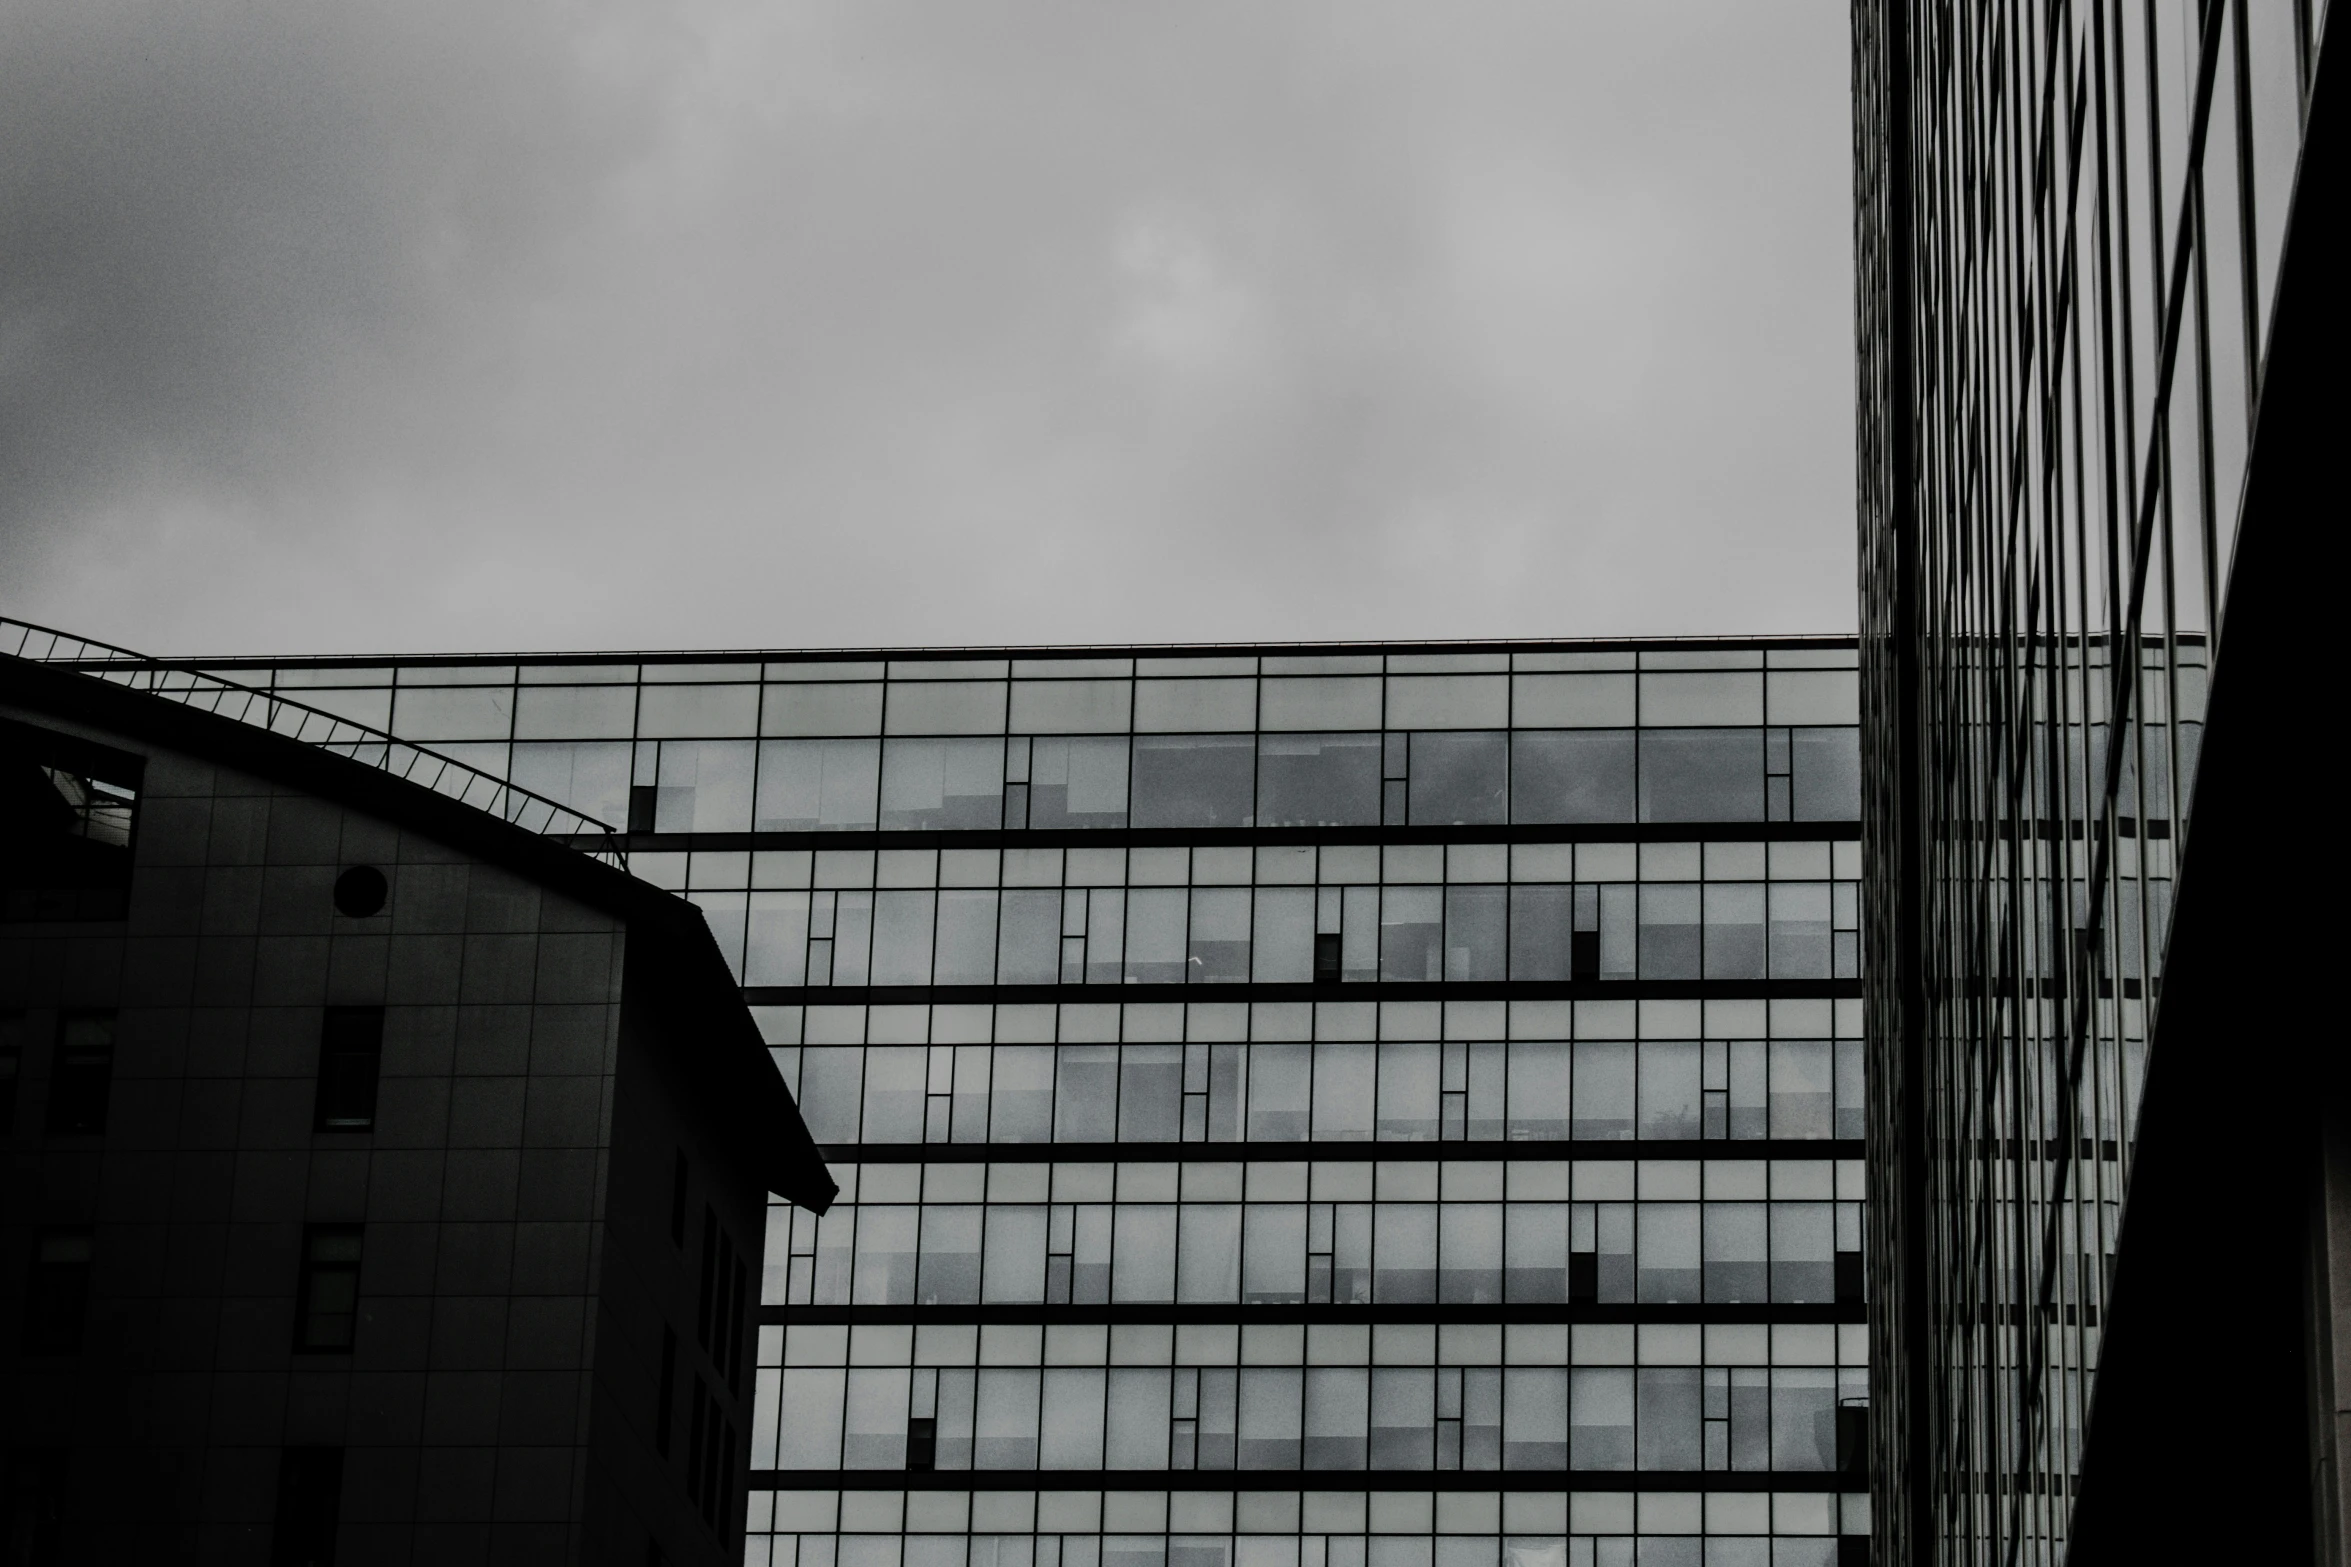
726,323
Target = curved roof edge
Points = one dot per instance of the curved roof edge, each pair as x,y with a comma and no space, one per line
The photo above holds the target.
747,1083
185,683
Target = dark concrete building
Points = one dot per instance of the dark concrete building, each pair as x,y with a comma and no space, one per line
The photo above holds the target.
386,1174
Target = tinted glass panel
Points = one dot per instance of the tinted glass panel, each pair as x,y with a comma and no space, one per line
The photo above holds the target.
1827,767
1459,779
1572,775
812,785
1318,780
942,783
1702,775
1194,780
1080,781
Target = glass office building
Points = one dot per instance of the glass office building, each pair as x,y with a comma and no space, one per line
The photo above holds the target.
2079,228
1294,1107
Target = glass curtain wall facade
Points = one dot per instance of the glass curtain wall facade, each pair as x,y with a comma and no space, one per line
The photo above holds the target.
2070,226
1294,1107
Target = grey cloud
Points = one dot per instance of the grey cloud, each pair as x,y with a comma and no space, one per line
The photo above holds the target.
734,322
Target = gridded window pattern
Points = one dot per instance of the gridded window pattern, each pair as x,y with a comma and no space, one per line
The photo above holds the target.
1596,1397
1205,742
1142,1528
1337,1072
1367,779
1326,1232
1611,1239
2069,224
1407,913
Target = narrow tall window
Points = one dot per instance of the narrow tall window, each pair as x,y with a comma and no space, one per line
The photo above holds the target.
922,1443
1584,955
737,1290
84,1072
326,1306
310,1502
1849,1278
664,1411
350,1058
57,1296
1583,1276
11,1067
697,1444
710,1277
677,1200
1326,958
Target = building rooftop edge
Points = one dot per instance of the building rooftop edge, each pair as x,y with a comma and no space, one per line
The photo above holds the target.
1039,650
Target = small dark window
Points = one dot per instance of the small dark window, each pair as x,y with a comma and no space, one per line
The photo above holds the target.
1853,1550
84,1073
1852,1437
57,1296
644,802
326,1307
350,1057
12,1032
1326,958
310,1500
1583,1276
360,891
1849,1279
664,1412
922,1444
1584,955
677,1200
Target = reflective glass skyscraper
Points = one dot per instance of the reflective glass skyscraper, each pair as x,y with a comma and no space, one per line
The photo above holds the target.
1295,1107
2100,325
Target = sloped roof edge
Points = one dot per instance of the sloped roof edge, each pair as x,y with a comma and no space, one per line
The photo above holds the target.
746,1080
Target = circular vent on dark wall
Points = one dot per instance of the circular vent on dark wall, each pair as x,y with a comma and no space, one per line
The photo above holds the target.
360,891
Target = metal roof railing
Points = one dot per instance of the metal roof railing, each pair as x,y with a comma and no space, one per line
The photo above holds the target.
197,688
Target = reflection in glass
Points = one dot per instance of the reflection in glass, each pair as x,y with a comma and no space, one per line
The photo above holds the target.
942,784
1459,778
1077,781
704,786
1412,926
1318,780
1571,775
1827,767
1702,775
817,785
590,776
1194,780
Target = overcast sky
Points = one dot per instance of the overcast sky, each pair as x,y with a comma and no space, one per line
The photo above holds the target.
423,324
